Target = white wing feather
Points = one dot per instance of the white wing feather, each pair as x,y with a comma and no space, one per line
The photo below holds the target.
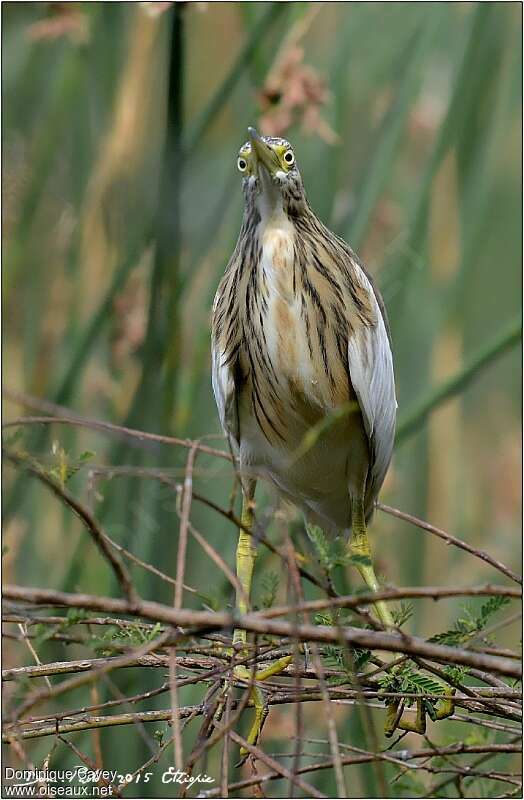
371,371
225,396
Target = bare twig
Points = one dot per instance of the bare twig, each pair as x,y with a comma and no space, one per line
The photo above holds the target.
23,629
85,516
64,416
449,539
64,723
366,598
179,593
274,765
148,567
255,622
402,757
331,726
80,680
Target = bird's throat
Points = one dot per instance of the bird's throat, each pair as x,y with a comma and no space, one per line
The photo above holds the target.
269,201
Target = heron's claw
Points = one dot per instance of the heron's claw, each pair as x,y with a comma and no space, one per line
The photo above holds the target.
257,696
396,720
246,675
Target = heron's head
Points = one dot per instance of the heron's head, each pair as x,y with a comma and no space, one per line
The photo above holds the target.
271,179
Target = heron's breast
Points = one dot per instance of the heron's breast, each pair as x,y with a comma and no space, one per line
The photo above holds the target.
284,327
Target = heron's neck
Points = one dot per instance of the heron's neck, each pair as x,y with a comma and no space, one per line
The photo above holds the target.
269,201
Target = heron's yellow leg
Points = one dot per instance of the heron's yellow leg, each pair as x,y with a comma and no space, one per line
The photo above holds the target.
395,718
447,706
360,551
246,556
257,697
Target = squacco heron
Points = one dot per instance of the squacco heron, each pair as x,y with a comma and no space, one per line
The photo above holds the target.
299,330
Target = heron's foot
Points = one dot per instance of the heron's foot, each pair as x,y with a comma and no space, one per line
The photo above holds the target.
257,696
247,675
436,703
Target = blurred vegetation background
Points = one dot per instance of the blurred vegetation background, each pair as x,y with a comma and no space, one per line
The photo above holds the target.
122,204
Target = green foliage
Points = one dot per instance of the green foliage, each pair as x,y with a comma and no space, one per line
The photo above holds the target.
456,674
402,613
334,617
408,678
65,465
347,660
75,615
159,736
334,657
322,545
124,636
490,607
62,465
209,602
44,632
331,551
361,656
471,623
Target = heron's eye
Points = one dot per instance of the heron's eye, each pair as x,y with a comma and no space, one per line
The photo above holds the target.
289,157
242,164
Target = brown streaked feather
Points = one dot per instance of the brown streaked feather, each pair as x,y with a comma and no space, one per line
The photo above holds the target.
293,302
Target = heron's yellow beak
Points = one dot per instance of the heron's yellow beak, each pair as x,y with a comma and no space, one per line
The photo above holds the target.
262,153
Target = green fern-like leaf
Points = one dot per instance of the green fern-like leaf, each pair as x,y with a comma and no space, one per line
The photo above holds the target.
334,657
361,657
409,680
402,613
75,615
470,623
424,684
321,544
491,606
331,552
339,616
65,465
130,635
451,638
456,674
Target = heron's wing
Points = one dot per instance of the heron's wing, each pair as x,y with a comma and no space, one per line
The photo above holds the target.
224,389
371,371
